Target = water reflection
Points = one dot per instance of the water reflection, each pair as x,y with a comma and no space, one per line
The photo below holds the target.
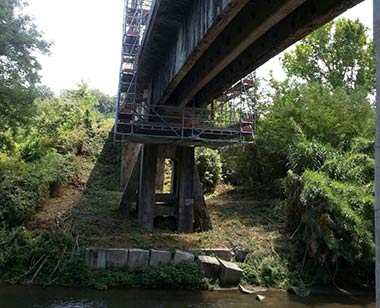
73,304
35,297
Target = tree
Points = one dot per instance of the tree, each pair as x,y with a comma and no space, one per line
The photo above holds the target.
339,54
107,104
20,41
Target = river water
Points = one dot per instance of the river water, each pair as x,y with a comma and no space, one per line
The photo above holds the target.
36,297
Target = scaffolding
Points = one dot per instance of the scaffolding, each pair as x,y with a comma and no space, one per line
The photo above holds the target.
231,119
136,13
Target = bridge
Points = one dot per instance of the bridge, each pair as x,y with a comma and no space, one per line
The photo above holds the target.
186,80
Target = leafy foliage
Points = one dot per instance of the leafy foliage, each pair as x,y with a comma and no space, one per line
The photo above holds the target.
315,139
106,104
268,271
209,166
332,220
24,185
20,41
339,54
46,152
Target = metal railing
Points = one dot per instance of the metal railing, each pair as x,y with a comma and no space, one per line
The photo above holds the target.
217,121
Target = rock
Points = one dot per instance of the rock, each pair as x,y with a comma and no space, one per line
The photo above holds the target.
96,258
137,258
222,253
195,251
117,258
241,255
260,298
230,273
158,257
183,256
300,291
209,266
244,290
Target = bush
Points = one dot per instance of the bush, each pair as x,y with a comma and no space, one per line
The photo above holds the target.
210,168
23,185
266,270
332,221
306,154
45,258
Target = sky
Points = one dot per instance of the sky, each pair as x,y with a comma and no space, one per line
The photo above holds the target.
87,42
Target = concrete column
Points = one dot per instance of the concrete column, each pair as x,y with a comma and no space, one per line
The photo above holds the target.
146,208
376,31
186,189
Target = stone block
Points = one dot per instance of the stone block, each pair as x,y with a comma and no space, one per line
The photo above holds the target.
158,257
222,253
209,266
241,255
117,258
183,256
96,258
137,258
229,274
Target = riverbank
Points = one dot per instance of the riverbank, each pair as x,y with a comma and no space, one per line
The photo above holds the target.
84,213
241,222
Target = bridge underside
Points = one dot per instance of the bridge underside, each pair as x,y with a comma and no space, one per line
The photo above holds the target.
194,50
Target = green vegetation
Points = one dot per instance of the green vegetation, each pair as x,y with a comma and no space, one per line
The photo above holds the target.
303,203
58,259
314,151
209,167
19,42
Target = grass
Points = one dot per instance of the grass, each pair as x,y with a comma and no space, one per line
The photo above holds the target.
236,224
240,221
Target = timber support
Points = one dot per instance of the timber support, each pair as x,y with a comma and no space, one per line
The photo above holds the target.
186,189
164,183
146,207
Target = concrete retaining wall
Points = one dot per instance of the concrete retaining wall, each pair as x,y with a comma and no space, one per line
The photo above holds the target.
129,260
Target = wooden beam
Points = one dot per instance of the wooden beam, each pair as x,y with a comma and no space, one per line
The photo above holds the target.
306,18
146,207
130,192
186,189
203,45
129,155
250,24
201,215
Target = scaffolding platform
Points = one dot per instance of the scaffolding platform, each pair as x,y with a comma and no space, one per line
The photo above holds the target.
213,126
229,120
